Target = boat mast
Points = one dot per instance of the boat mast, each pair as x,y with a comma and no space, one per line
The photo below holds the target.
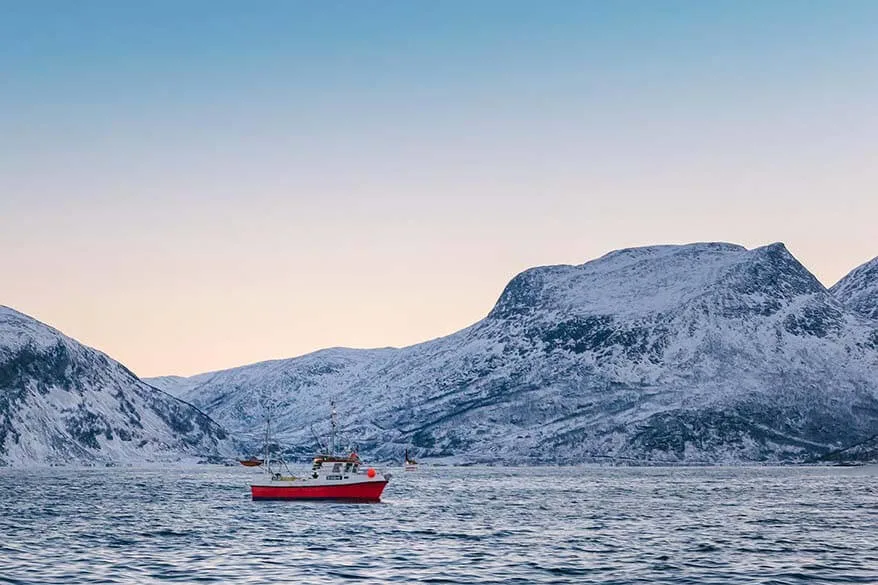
267,437
332,436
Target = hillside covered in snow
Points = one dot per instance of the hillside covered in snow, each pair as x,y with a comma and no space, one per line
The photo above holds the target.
859,289
700,353
62,403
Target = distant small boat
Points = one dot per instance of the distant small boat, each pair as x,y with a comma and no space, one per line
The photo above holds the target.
251,462
410,464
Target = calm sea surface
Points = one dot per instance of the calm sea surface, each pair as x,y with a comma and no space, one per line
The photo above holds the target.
446,525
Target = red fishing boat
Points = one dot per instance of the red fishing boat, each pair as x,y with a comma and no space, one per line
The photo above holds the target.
251,462
331,478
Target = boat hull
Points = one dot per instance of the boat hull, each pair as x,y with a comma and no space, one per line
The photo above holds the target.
366,491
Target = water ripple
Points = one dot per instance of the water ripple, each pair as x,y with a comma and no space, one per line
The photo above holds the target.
446,525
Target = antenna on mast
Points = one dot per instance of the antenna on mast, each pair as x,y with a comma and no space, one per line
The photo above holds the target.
267,456
333,414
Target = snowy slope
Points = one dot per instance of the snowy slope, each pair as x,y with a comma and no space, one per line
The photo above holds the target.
860,453
859,289
64,403
696,353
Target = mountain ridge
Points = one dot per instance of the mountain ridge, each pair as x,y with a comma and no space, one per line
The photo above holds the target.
64,403
674,353
859,289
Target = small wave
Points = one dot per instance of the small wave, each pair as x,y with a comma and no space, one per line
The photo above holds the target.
802,525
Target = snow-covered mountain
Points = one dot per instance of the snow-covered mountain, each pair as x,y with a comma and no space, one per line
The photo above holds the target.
64,403
695,353
859,289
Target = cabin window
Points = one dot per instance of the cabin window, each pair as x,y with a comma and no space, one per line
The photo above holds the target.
347,468
336,468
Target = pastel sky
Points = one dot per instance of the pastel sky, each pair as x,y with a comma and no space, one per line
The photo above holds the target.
196,185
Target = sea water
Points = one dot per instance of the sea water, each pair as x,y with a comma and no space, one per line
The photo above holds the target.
446,525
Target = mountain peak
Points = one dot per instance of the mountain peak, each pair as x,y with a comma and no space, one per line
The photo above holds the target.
859,289
63,402
642,252
773,270
18,329
655,279
8,314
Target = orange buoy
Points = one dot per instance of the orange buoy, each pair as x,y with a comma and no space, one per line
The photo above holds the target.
370,472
